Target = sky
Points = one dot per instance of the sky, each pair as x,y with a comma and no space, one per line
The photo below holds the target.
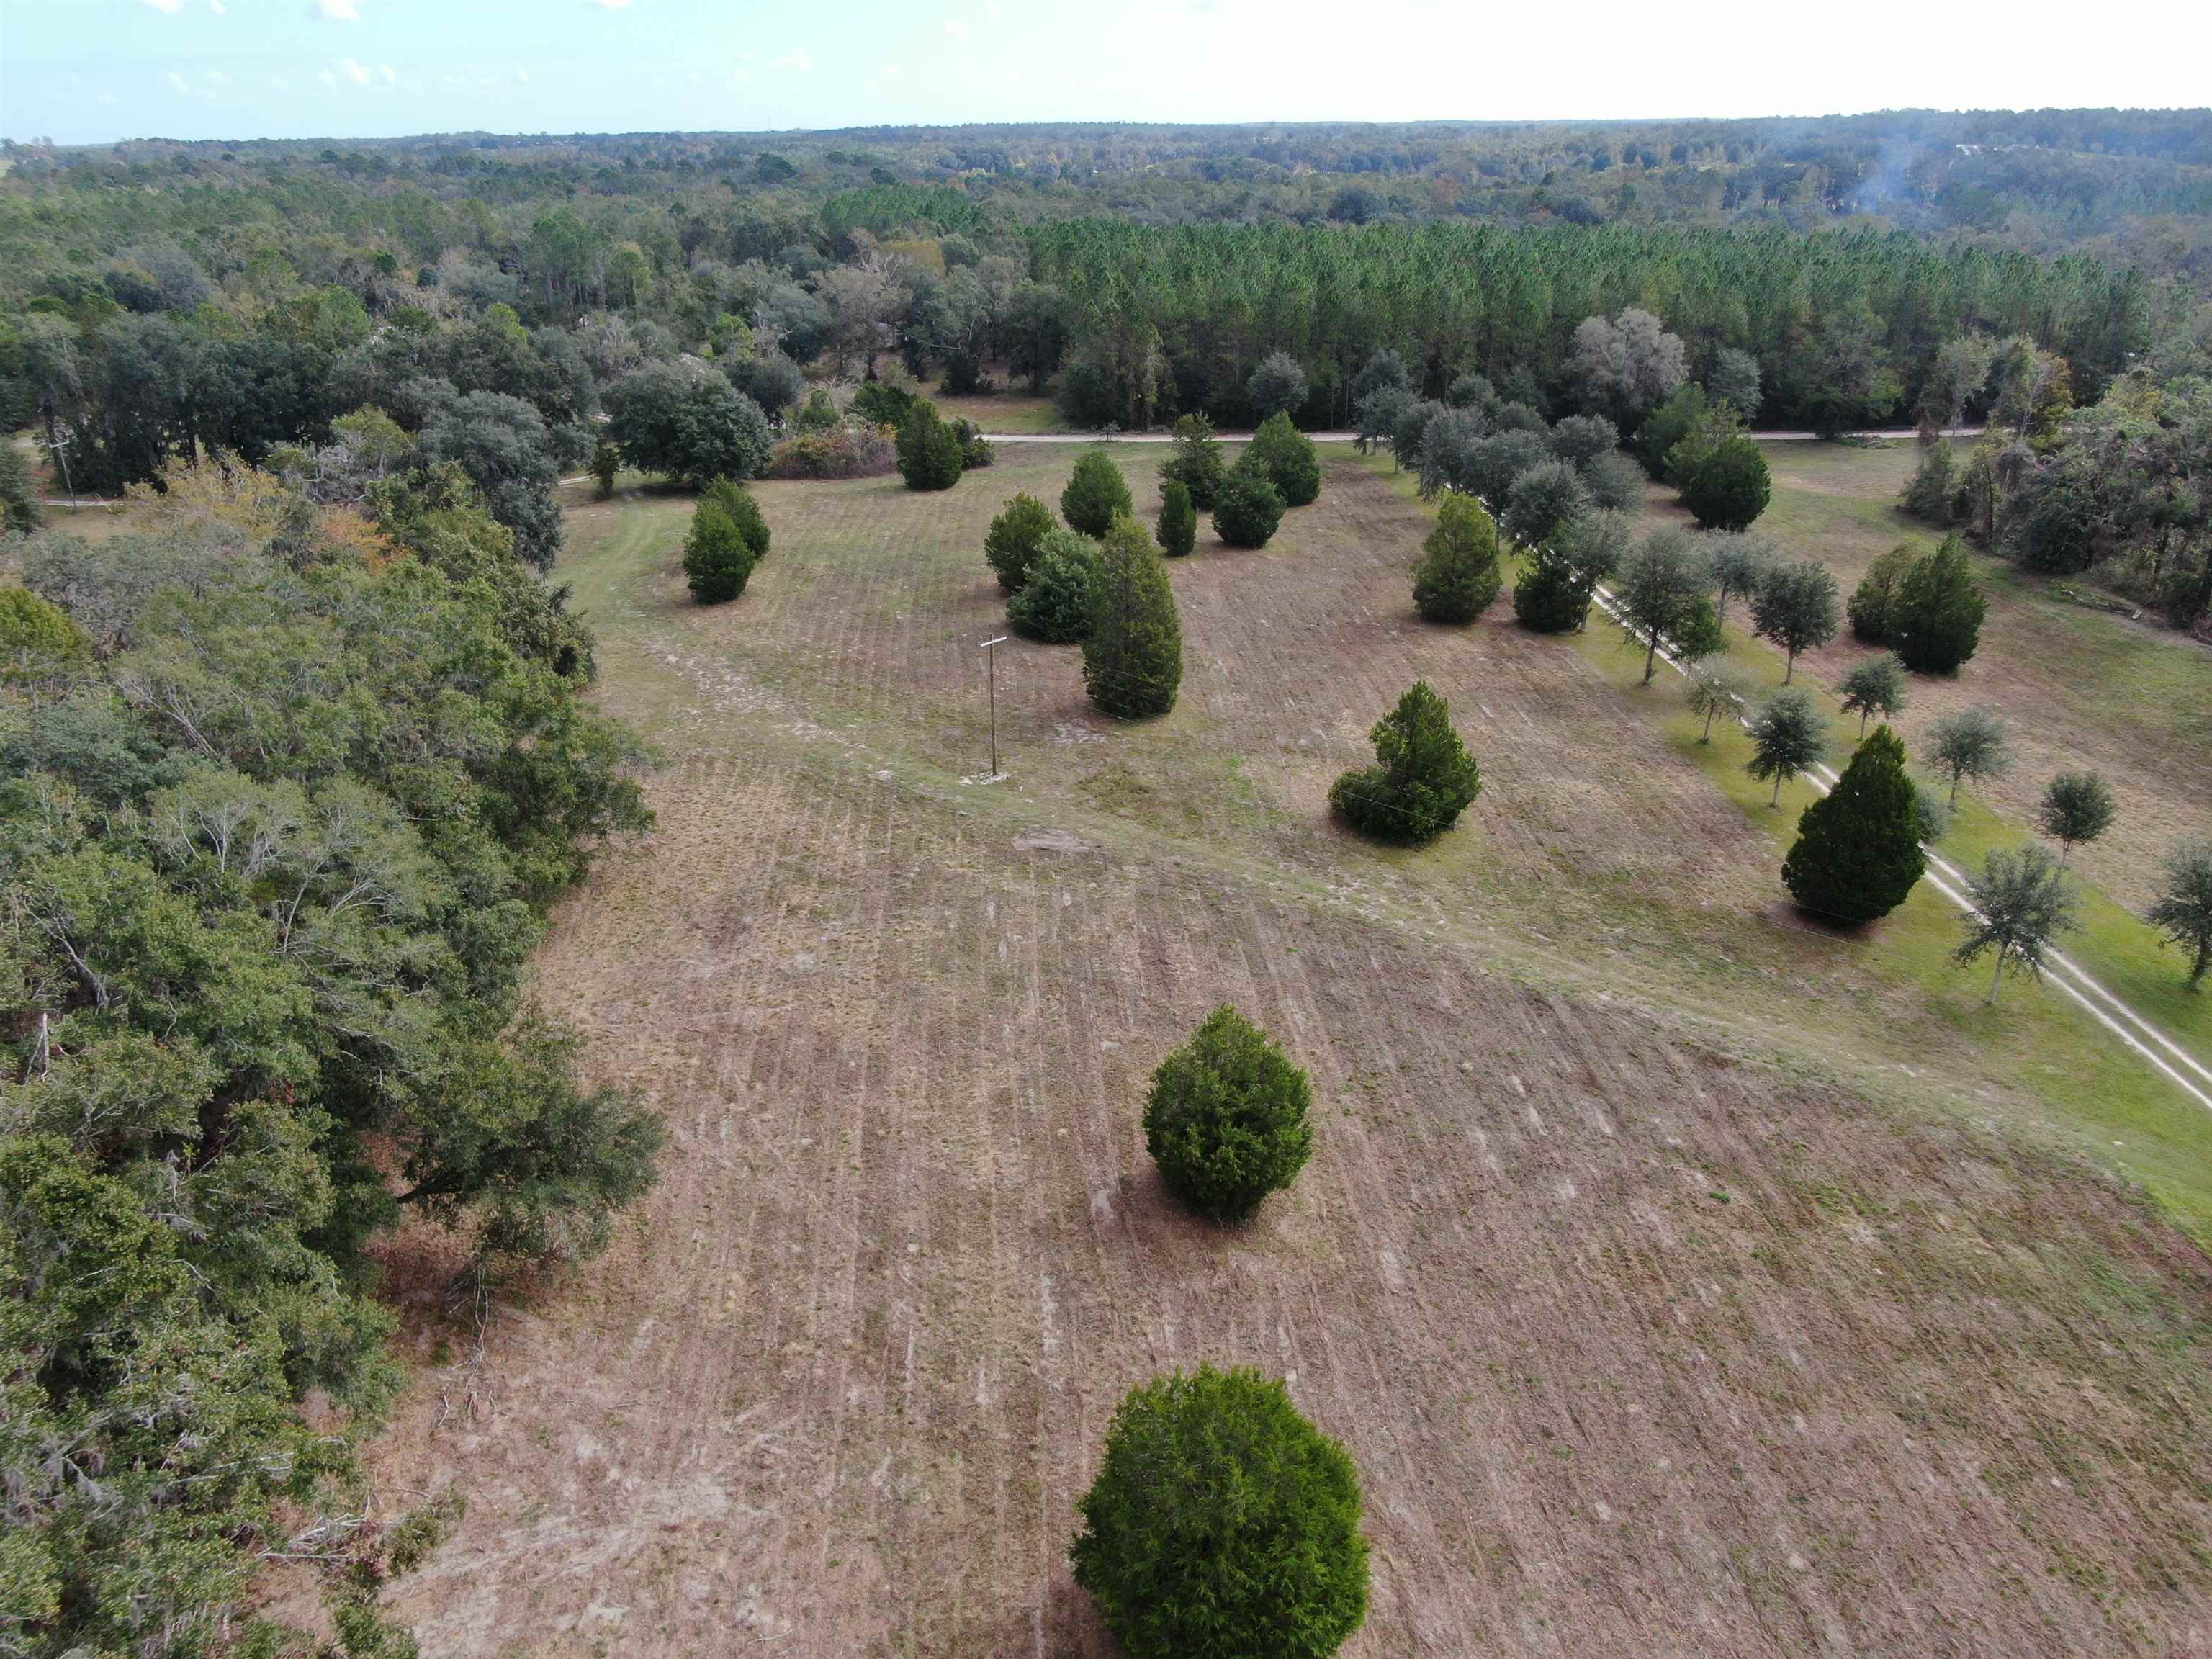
84,71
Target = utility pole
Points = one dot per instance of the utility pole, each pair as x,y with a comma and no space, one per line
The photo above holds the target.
991,659
60,448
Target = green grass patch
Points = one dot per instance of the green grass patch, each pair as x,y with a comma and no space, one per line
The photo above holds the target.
1004,411
2096,1093
2088,1090
2123,951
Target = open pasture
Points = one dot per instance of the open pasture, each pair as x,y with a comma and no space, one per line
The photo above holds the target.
1681,1281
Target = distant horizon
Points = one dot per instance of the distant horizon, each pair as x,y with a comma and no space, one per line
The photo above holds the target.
95,72
1105,126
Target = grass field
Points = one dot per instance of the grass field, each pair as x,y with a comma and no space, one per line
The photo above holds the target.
2079,688
1004,412
1682,1281
2128,1114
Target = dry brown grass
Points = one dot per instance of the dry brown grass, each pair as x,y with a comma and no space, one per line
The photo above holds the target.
1646,1336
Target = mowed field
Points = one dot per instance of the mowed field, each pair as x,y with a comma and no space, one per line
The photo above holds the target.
1681,1280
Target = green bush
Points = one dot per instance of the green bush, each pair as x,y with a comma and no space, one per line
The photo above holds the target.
881,403
1011,545
1177,529
1096,492
1458,580
929,454
1935,481
975,449
717,563
42,651
837,451
1223,1525
1857,854
1287,456
1682,411
1938,615
1423,778
19,499
1227,1121
1132,655
1551,597
1196,464
688,423
1054,604
735,500
819,414
1873,604
1727,486
1248,508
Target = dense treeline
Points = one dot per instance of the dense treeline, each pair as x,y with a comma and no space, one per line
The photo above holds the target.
288,789
162,300
1844,327
2038,179
2120,487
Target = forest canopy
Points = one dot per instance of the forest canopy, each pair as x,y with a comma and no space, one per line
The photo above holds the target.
287,790
157,299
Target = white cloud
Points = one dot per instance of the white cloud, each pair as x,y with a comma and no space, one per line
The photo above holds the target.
385,69
218,78
167,8
107,98
356,73
328,80
793,60
339,11
280,83
955,25
218,8
611,5
522,75
890,69
177,83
